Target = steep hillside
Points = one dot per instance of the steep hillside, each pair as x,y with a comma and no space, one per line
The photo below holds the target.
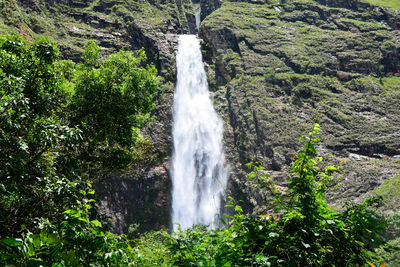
275,65
115,24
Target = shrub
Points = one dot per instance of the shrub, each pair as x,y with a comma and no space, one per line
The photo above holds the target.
303,231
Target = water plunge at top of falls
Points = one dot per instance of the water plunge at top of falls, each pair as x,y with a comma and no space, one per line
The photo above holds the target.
198,173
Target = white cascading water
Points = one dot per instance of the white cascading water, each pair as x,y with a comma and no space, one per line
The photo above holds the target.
198,172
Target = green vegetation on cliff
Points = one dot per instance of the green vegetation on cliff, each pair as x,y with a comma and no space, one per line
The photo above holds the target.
112,100
385,3
127,24
275,65
390,191
118,25
302,231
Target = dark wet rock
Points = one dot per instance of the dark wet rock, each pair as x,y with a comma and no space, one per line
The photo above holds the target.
130,199
208,6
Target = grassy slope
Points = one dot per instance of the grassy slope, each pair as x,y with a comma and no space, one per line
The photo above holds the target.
395,4
390,191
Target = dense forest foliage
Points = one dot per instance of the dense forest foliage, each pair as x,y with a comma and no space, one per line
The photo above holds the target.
61,123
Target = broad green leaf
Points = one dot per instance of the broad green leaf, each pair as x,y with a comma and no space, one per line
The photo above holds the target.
12,242
97,223
252,175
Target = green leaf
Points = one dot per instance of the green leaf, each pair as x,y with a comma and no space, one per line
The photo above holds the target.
305,245
70,211
91,191
312,148
238,208
12,242
51,239
37,242
252,175
249,165
331,168
97,223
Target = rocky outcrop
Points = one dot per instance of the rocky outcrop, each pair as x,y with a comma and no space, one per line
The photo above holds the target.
131,201
114,24
208,6
274,67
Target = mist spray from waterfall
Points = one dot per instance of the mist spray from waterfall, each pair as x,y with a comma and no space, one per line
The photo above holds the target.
198,173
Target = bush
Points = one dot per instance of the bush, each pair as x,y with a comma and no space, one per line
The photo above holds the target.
79,240
304,231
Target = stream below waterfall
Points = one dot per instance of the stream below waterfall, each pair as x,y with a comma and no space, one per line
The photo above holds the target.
198,171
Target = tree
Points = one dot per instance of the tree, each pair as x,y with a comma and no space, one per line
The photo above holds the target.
111,102
49,111
31,133
56,118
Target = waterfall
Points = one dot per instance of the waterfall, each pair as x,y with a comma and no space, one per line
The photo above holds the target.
197,14
198,172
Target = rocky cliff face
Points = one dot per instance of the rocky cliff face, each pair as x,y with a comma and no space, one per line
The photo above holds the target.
114,24
208,6
275,65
